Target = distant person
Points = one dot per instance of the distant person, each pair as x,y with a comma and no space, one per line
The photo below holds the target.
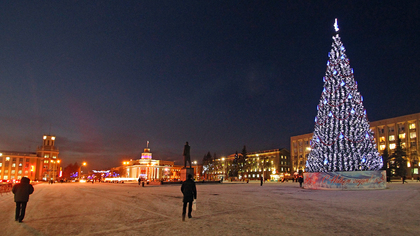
22,192
262,180
300,181
403,179
189,191
139,180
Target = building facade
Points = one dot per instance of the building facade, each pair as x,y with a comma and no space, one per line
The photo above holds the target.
44,164
149,169
387,132
272,165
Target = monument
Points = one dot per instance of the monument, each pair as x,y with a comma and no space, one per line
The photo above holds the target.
187,158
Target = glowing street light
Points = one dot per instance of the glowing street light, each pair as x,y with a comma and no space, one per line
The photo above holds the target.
80,173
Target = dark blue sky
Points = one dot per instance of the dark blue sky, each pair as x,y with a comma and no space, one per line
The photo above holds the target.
107,76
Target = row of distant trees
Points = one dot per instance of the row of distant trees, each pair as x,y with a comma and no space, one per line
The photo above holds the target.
235,169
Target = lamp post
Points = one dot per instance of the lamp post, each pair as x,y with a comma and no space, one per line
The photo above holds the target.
224,168
80,174
195,169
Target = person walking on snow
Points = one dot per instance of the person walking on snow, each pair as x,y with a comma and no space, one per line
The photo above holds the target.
300,181
22,192
189,191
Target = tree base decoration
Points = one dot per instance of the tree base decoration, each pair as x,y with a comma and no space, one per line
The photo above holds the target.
345,180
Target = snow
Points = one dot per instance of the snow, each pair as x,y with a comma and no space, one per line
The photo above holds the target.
222,209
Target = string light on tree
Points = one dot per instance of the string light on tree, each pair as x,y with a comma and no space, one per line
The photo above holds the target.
342,139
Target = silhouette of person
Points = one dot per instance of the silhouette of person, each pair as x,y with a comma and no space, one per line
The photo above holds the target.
189,191
22,192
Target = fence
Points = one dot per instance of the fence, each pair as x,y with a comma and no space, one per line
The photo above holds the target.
5,188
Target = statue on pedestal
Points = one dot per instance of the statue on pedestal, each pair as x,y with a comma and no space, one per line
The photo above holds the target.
186,154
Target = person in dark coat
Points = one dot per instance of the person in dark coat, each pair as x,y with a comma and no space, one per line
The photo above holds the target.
403,179
300,181
189,191
262,180
22,192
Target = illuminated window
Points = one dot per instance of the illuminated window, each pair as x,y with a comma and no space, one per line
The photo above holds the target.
13,164
403,145
13,172
382,139
412,126
1,164
413,135
47,156
6,177
391,137
401,136
7,158
26,172
382,147
45,161
54,157
392,146
19,171
20,164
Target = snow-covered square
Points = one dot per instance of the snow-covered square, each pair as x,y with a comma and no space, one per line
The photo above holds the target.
222,209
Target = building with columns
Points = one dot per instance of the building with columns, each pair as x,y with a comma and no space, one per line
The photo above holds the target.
149,169
44,164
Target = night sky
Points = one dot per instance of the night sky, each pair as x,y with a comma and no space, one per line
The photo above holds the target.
105,77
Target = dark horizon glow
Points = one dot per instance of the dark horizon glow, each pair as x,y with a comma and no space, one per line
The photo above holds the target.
105,77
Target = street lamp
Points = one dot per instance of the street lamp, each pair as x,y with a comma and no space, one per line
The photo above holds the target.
80,174
195,170
224,168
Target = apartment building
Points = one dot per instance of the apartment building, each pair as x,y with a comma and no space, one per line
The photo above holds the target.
44,164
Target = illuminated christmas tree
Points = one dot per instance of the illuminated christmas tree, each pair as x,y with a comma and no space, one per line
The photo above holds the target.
342,139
